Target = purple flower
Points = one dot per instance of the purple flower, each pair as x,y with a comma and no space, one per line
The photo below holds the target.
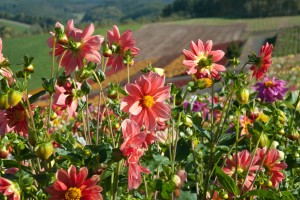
200,106
271,90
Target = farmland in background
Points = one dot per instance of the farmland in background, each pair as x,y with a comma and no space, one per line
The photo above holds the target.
287,41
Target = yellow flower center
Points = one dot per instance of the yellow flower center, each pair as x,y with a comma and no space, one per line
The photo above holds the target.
239,170
73,193
268,84
148,101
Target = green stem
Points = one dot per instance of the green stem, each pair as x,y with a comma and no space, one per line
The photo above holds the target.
244,66
237,132
128,73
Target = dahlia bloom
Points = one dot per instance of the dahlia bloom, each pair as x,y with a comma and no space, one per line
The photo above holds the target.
10,189
145,100
272,165
271,90
262,62
201,61
120,45
65,99
16,120
200,107
74,185
8,75
78,46
135,170
243,160
245,121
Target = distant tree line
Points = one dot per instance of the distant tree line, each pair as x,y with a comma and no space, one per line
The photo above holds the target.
232,8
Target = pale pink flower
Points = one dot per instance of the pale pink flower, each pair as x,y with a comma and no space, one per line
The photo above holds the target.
272,165
146,100
201,61
120,45
240,163
65,99
80,46
8,75
135,170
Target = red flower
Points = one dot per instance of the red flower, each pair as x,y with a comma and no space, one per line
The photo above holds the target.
77,45
145,101
10,189
72,185
120,45
202,60
16,119
243,160
261,63
272,165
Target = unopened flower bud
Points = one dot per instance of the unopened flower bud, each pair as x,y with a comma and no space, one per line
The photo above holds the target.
182,174
242,95
281,132
29,68
177,181
53,116
62,39
188,121
225,196
107,52
45,150
274,145
281,156
264,140
82,74
269,184
159,71
14,97
281,116
4,101
293,135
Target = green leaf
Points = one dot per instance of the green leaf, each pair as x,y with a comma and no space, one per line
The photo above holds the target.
203,132
262,193
36,96
287,195
227,182
186,195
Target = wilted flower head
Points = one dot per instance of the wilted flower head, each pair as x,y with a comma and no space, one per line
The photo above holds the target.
74,185
201,61
146,100
122,46
271,90
261,63
78,46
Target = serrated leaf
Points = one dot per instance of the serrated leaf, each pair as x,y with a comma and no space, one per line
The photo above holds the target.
227,182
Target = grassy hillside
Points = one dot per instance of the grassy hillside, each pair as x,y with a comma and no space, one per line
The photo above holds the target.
254,24
37,47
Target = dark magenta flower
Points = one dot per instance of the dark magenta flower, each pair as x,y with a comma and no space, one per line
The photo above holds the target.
271,90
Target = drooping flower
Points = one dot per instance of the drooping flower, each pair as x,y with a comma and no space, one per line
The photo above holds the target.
201,61
77,47
261,63
122,46
146,100
10,189
135,170
271,90
240,163
7,74
272,165
70,185
65,98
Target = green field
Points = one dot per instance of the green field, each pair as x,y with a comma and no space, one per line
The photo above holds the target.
288,41
36,46
255,24
20,27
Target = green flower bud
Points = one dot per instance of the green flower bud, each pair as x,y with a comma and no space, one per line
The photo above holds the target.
4,101
14,97
242,95
45,150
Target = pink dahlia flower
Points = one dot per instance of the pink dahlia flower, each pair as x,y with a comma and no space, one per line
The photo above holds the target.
272,165
9,189
135,170
74,185
146,100
201,61
271,90
78,46
65,99
240,163
262,62
120,45
7,74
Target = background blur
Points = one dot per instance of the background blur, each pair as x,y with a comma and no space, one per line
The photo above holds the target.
162,29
